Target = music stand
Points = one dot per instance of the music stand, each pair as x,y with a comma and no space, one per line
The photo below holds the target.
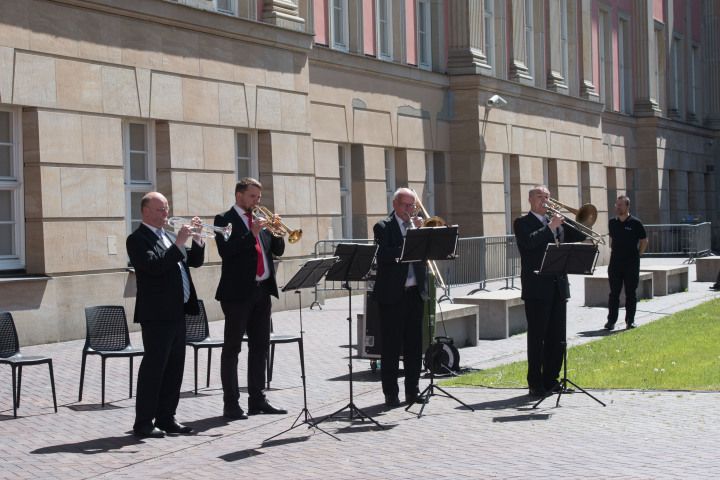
354,265
574,258
423,245
307,277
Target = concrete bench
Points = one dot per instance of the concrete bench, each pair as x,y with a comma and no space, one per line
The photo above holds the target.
459,322
597,289
501,313
707,268
667,279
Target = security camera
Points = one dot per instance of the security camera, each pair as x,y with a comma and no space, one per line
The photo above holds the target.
496,101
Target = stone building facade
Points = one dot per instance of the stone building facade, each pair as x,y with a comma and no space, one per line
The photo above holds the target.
332,104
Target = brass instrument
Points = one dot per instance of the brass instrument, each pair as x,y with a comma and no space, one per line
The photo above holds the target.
585,218
203,230
276,227
429,222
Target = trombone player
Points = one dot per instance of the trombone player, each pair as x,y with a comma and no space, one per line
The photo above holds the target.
246,282
545,296
401,290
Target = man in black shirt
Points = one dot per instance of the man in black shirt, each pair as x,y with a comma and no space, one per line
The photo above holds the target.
628,241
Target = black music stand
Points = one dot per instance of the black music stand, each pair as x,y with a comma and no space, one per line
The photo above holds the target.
574,258
354,265
307,277
423,245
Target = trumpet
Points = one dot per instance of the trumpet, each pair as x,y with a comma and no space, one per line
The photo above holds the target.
429,222
276,227
203,230
585,218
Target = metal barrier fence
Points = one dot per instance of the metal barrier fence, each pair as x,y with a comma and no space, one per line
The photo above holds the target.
679,239
479,260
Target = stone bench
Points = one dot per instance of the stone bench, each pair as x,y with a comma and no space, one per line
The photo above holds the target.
501,313
707,268
667,279
597,289
459,322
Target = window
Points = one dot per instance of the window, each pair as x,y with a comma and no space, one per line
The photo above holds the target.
658,67
384,29
345,192
245,159
389,178
429,194
12,227
424,40
225,6
489,19
339,27
605,53
564,41
693,75
676,74
529,38
138,141
625,65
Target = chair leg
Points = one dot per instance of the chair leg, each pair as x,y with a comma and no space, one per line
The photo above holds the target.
208,367
52,384
82,376
14,393
131,375
103,382
196,360
19,384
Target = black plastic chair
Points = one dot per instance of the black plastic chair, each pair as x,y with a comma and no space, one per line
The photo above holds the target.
10,355
275,339
108,336
198,336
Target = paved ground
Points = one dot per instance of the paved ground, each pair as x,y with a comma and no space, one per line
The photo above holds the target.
639,434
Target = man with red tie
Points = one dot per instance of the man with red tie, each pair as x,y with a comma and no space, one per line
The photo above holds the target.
246,282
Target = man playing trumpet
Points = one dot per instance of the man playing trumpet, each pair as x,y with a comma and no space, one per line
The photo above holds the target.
246,283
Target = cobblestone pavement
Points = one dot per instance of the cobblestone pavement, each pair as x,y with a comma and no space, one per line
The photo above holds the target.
639,434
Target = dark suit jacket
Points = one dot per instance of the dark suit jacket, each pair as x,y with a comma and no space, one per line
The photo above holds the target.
159,281
239,257
532,239
391,275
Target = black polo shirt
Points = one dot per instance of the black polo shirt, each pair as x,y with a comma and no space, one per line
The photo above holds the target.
625,238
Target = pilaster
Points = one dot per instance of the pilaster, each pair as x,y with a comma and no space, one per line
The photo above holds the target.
645,101
465,38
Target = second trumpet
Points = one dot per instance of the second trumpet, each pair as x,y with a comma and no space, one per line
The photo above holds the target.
276,227
203,230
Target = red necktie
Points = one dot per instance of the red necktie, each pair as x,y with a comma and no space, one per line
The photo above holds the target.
260,264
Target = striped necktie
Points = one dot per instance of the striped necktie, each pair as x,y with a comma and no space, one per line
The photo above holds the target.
183,273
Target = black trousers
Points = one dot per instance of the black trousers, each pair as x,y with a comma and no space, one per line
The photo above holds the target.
401,330
161,372
545,338
252,315
627,274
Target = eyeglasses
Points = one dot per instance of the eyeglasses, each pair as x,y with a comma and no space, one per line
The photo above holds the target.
407,205
166,210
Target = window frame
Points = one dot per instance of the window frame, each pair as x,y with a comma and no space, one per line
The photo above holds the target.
384,27
489,34
625,86
345,190
133,186
233,10
530,38
339,7
15,184
390,183
251,158
424,34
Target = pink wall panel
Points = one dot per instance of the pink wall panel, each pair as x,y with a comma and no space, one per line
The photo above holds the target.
659,13
679,16
696,20
369,27
321,22
411,31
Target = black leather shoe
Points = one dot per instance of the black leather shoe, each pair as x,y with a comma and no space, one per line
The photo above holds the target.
537,392
265,407
234,412
630,325
173,427
417,398
609,326
715,288
148,431
392,401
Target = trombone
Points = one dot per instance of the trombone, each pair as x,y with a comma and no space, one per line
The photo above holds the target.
203,230
429,222
585,218
276,227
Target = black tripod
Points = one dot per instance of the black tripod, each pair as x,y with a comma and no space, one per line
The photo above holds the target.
306,277
578,258
355,262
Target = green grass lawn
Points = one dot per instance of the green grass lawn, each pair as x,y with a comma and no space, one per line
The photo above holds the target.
678,352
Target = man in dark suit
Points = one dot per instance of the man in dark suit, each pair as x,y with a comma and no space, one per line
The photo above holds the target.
246,283
165,292
401,291
545,296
